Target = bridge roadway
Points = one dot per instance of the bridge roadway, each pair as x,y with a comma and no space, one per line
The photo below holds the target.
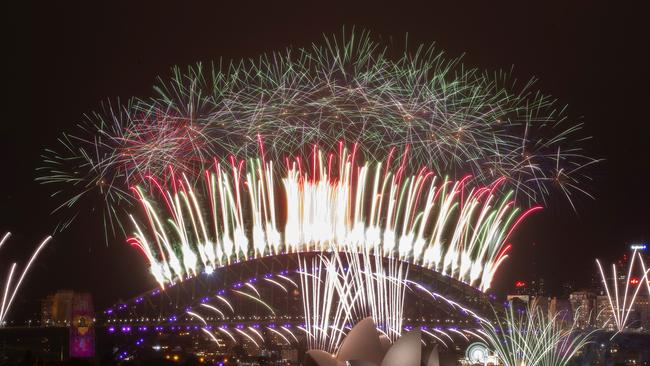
225,281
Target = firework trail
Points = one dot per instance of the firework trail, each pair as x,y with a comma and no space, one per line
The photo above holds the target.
453,119
326,305
621,301
116,146
341,290
380,291
532,338
12,284
329,202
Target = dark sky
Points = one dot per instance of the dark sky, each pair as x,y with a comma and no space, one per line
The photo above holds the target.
66,59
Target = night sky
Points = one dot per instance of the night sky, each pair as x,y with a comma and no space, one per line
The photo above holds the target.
64,61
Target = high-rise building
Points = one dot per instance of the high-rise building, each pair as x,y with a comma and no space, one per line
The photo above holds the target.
561,309
604,313
537,287
583,306
642,308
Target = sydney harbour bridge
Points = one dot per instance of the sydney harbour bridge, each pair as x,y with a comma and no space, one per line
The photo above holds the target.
257,304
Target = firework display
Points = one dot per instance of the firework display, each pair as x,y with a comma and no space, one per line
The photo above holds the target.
377,164
453,119
533,338
329,202
339,291
621,301
12,284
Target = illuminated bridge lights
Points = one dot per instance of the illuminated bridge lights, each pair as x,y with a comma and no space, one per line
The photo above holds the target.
273,333
128,328
163,313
